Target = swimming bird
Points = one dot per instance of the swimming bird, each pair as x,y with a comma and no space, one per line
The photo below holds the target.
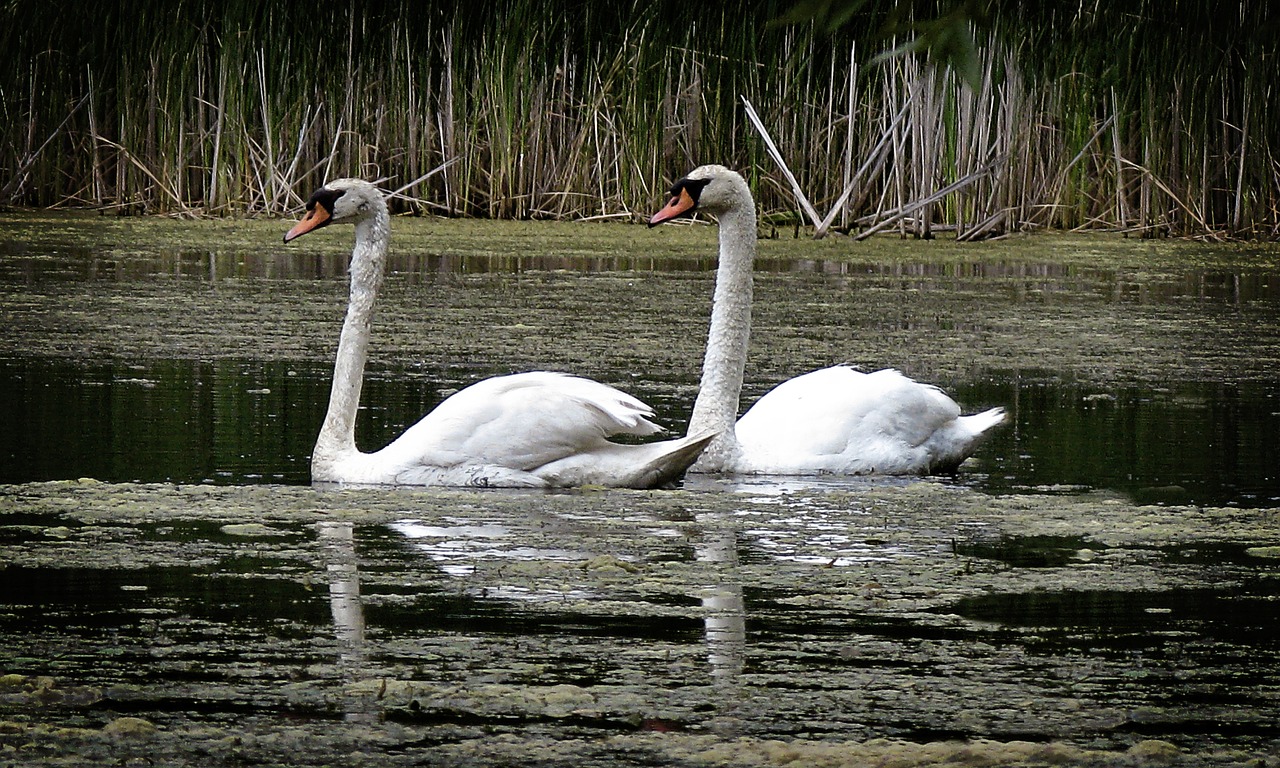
536,429
834,420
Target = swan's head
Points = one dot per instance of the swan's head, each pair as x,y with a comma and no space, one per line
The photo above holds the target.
711,188
340,201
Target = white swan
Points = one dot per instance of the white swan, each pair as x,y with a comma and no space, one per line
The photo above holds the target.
831,421
536,429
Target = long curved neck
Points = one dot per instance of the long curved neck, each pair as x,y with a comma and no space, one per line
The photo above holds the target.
716,409
338,434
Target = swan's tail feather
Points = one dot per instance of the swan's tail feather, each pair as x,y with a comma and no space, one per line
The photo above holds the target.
954,445
613,465
668,469
979,423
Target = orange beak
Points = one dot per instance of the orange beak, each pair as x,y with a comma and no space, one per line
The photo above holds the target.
679,205
316,217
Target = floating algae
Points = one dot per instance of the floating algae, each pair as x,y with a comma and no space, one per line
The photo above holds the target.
744,627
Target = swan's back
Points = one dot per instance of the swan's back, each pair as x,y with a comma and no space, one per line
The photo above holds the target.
843,421
523,421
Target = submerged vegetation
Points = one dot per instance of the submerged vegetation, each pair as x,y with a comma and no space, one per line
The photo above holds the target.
1150,119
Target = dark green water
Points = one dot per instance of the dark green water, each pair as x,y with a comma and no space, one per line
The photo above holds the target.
198,352
229,421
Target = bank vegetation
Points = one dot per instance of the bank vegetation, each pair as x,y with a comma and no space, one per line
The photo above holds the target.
1151,119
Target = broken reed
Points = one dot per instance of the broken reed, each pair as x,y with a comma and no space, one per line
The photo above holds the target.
240,108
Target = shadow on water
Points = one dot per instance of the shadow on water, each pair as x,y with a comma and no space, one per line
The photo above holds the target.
1182,443
239,422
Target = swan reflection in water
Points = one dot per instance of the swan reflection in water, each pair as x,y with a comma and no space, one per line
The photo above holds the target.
775,520
456,549
724,612
337,541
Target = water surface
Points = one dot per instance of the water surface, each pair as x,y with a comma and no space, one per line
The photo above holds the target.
229,421
1093,587
201,352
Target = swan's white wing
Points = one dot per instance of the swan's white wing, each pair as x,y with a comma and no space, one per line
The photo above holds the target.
521,422
841,420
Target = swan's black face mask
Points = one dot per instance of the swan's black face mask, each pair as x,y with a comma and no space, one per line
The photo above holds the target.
319,212
684,200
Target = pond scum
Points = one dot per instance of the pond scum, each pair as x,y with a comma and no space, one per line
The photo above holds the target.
1148,118
165,625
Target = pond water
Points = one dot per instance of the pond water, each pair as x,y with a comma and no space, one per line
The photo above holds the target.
233,421
1096,584
1148,373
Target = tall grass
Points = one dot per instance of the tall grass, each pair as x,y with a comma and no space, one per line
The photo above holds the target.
1082,117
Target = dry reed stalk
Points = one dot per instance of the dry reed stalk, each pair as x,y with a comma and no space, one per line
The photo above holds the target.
18,177
1238,215
99,184
158,183
776,154
1122,207
902,212
876,155
1166,189
219,123
851,101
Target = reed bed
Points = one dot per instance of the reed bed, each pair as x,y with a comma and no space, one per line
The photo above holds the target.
1079,119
